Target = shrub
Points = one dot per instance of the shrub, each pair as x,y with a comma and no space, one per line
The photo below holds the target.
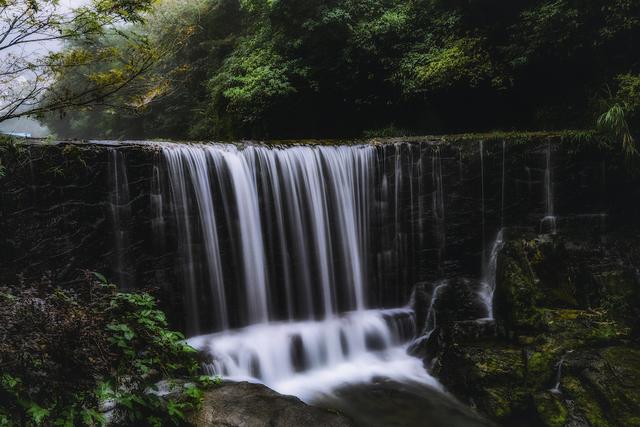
77,357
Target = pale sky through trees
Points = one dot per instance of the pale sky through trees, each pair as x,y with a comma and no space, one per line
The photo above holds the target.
25,124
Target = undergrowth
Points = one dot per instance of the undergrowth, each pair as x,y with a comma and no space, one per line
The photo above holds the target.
91,355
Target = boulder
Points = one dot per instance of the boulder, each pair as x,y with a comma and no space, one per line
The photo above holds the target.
255,405
458,301
386,403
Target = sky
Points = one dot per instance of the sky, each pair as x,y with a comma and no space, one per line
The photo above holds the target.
27,125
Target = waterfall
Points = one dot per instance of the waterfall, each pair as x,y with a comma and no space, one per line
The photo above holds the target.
460,168
194,162
488,282
274,256
431,313
398,242
321,207
241,169
556,388
438,203
120,211
502,188
157,210
482,205
549,220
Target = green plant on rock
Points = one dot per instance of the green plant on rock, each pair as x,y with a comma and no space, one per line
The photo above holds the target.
614,122
148,353
621,108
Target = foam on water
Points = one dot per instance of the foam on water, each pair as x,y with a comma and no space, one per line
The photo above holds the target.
310,359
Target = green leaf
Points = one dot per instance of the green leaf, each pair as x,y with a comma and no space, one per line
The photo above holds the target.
101,278
92,417
37,413
174,409
9,382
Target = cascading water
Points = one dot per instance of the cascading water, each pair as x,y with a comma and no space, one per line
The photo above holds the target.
489,266
120,214
310,358
158,223
556,388
295,245
488,282
460,165
191,160
438,203
431,313
548,223
502,188
482,206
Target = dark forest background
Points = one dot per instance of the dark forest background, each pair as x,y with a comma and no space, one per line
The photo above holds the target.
350,68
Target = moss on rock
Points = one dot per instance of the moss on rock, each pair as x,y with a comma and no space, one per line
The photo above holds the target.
516,293
551,409
574,323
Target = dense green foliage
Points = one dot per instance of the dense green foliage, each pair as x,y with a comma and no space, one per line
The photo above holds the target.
71,357
286,68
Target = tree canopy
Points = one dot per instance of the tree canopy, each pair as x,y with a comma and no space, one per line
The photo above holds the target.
31,30
341,68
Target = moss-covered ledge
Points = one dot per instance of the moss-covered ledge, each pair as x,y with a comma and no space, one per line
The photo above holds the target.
512,137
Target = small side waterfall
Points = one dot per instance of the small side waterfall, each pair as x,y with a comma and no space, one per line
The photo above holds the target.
482,206
556,388
460,165
548,223
158,223
502,187
488,282
438,203
432,324
120,215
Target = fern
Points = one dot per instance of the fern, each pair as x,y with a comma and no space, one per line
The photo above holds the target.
614,122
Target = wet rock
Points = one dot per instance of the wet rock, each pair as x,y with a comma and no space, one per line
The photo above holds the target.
517,293
458,301
254,405
488,375
604,385
388,404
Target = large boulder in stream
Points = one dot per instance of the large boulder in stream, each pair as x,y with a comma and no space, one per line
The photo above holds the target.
246,404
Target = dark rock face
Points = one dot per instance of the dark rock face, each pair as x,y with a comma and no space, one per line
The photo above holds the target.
564,350
458,301
254,405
